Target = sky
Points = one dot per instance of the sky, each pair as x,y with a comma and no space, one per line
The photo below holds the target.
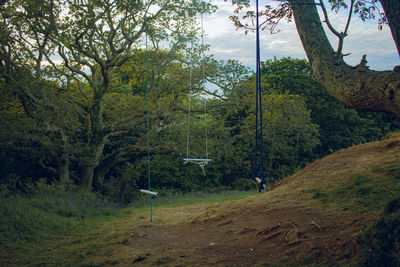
363,38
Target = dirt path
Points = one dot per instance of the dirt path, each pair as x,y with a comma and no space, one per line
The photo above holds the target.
283,225
246,238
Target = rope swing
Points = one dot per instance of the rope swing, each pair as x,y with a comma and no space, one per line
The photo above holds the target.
202,162
150,193
258,176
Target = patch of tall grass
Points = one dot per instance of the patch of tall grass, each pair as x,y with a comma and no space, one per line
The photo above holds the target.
20,220
47,209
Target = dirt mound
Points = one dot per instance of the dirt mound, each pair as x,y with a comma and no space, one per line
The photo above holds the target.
284,225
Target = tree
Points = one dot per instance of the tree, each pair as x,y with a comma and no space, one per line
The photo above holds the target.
355,86
61,57
125,110
289,136
339,126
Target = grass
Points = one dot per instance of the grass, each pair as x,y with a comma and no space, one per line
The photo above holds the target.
371,191
33,226
55,227
176,200
161,261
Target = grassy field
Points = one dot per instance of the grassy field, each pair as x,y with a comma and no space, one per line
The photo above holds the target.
55,227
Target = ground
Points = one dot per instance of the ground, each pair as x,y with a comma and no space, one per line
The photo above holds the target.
285,225
312,218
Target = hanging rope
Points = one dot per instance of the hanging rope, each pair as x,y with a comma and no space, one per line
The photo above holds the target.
189,104
148,126
258,177
204,161
203,77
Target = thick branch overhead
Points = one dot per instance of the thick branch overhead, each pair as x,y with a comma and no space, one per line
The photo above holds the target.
357,87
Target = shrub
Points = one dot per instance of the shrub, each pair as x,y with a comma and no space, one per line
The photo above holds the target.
380,242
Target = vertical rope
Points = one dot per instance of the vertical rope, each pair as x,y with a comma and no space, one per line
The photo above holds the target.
189,103
258,106
259,97
148,125
203,80
257,64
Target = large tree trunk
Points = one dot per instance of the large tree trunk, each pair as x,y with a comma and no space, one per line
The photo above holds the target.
97,138
392,11
63,171
87,177
357,87
91,163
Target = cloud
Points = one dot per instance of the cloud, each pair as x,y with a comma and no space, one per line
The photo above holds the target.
364,38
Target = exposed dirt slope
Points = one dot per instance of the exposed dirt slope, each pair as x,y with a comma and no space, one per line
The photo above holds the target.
283,225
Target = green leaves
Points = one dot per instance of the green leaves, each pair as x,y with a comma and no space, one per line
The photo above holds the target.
339,126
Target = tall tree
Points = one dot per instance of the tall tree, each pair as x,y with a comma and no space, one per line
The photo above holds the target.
61,57
355,86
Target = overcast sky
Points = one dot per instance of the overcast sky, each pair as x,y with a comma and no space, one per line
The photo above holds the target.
364,38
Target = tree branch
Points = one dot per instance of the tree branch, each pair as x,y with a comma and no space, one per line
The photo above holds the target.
328,23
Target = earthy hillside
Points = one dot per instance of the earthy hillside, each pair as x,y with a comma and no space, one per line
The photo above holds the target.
311,217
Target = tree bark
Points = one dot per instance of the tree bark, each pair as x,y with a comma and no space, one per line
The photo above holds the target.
63,171
392,11
357,87
93,161
97,136
87,177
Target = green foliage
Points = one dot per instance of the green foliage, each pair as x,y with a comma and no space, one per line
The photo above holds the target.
301,122
288,135
87,111
392,206
339,126
124,183
380,242
169,171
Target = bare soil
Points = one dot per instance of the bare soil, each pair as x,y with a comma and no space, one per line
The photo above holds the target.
284,225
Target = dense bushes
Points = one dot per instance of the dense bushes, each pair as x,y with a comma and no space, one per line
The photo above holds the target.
380,242
289,136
